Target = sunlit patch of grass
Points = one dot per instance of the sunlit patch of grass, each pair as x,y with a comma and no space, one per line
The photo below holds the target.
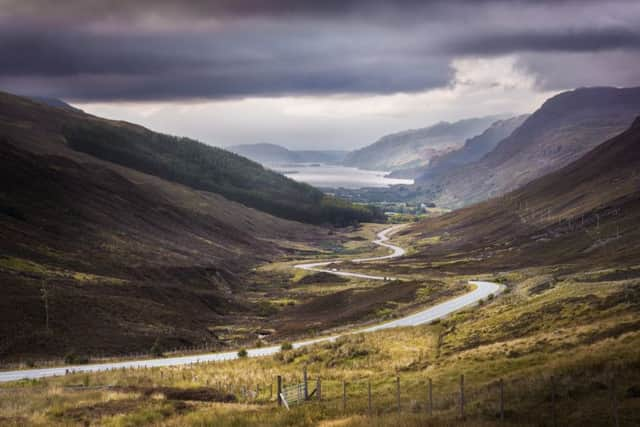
27,266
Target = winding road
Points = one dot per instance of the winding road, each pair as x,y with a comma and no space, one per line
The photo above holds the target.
481,291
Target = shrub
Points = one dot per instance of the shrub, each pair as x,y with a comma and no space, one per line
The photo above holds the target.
72,358
156,349
286,346
243,353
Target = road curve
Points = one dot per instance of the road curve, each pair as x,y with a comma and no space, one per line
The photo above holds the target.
481,291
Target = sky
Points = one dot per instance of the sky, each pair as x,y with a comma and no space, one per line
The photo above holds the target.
308,74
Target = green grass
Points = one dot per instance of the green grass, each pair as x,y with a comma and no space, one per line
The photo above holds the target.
573,330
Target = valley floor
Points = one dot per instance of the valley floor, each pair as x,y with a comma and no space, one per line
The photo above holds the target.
563,343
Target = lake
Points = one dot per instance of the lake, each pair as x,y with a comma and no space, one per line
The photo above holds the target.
333,176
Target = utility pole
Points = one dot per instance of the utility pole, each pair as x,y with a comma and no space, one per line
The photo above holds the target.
44,291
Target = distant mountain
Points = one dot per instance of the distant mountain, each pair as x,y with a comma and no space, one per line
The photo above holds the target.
416,147
582,215
55,102
275,154
473,149
563,129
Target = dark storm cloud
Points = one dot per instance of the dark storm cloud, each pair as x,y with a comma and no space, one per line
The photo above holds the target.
582,40
164,50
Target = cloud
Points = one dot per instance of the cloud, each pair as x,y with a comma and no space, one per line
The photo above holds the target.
581,40
93,50
479,87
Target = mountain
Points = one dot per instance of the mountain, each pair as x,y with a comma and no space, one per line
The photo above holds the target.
473,149
183,161
55,102
582,215
265,153
275,154
416,147
563,129
125,236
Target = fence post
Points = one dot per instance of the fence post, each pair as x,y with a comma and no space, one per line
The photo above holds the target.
461,396
398,393
319,389
430,397
369,406
553,402
279,390
614,403
271,390
306,387
501,399
344,396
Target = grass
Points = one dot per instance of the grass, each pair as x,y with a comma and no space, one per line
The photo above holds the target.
569,329
581,328
21,265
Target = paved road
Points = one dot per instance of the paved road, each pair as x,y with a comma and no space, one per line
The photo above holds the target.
481,291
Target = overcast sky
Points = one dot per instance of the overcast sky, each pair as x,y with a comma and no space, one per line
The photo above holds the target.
312,74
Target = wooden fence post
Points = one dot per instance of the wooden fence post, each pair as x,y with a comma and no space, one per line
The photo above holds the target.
319,389
553,402
614,403
344,396
306,387
430,398
279,390
369,398
501,399
398,393
461,396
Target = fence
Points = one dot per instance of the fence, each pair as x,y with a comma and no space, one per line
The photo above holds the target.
612,398
545,401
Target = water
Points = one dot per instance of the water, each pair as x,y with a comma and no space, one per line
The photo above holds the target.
333,176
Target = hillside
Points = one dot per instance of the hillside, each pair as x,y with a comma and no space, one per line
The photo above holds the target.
275,154
416,147
583,214
180,160
473,149
55,102
119,258
563,129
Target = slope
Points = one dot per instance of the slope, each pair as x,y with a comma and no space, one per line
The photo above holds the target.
180,160
563,129
416,147
473,149
582,215
99,258
276,154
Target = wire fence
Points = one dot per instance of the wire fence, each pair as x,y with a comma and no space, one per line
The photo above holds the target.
546,400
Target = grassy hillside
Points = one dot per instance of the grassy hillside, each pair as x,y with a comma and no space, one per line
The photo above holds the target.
124,258
181,160
581,214
562,130
416,147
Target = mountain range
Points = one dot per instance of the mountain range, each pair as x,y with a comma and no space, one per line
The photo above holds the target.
563,129
416,147
582,215
275,154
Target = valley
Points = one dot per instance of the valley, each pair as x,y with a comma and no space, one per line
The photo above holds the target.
151,279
